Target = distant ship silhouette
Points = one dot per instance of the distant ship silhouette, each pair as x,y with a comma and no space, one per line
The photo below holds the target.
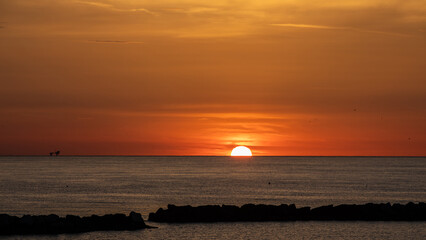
56,153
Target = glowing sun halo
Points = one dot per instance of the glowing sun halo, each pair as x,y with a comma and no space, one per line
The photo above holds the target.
241,151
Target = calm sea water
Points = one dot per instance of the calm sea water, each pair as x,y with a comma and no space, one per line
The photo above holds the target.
101,185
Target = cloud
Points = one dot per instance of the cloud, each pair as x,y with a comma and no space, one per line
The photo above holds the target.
338,28
192,10
113,8
205,34
115,41
305,26
97,4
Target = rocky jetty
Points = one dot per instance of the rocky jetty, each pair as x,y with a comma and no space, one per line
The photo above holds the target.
284,212
53,224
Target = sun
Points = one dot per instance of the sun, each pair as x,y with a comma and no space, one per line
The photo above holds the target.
241,151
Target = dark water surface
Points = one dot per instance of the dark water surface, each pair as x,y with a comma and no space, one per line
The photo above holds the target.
101,185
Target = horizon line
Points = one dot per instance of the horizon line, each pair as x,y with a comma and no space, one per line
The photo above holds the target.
117,155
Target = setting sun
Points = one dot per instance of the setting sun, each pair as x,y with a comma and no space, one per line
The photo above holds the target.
241,151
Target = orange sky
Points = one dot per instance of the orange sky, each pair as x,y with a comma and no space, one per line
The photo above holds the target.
167,77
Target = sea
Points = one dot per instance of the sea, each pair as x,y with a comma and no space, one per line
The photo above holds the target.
86,185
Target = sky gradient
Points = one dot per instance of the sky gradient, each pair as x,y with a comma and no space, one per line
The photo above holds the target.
136,77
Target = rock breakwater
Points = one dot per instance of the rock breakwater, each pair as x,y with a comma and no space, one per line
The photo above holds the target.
53,224
284,212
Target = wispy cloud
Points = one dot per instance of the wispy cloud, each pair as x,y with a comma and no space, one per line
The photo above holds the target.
206,34
338,28
97,4
113,8
192,10
115,41
306,26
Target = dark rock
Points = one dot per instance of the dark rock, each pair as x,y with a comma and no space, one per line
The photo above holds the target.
261,212
136,220
303,213
52,218
27,221
53,224
322,213
4,220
